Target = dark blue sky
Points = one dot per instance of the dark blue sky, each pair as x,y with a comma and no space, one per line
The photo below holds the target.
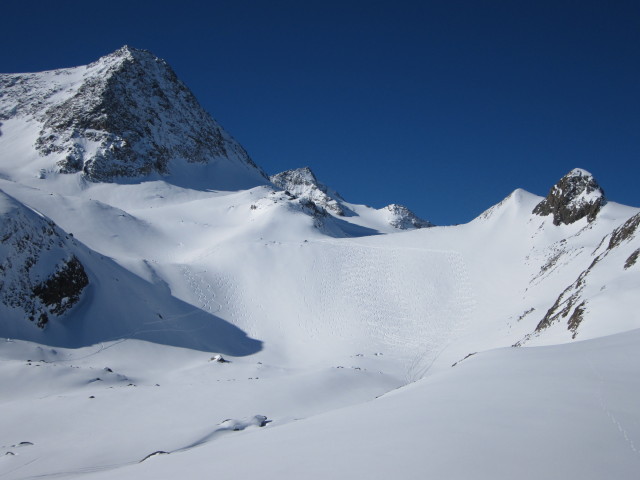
444,106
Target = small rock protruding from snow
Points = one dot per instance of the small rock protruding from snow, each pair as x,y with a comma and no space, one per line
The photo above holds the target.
575,196
402,218
219,359
154,454
237,425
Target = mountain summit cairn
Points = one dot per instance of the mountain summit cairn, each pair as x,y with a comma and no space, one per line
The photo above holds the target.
575,196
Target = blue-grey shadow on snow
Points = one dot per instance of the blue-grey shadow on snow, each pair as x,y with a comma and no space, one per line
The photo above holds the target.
118,305
342,228
203,177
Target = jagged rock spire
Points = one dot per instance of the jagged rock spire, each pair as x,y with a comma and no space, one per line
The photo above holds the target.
575,196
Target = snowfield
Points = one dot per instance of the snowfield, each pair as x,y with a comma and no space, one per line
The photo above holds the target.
234,327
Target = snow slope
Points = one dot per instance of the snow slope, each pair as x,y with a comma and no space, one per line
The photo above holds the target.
319,310
559,412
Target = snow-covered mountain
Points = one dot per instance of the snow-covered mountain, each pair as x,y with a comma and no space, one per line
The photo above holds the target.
139,243
126,115
302,183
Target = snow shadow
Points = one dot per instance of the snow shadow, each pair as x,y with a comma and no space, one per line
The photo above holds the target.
342,228
215,176
117,304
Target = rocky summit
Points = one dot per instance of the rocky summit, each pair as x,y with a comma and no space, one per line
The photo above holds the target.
302,182
125,115
577,195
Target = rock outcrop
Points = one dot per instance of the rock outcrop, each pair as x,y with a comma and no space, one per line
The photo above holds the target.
302,183
39,272
402,218
577,195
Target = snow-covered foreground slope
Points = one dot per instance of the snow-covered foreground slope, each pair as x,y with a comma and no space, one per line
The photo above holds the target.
567,411
189,252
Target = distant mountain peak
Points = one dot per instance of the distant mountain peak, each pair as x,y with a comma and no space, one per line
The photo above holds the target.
575,196
402,218
303,183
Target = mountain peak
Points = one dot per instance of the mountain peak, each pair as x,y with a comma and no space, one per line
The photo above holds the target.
575,196
402,218
303,183
130,56
127,50
125,115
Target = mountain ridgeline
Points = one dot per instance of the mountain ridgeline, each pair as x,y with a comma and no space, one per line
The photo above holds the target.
118,160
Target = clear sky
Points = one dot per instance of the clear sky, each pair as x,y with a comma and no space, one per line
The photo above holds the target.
444,106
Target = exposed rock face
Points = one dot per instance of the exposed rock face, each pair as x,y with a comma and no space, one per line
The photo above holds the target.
633,258
302,183
627,231
126,115
575,196
404,219
62,290
571,303
39,274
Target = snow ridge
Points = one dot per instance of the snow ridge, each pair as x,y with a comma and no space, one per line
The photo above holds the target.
302,183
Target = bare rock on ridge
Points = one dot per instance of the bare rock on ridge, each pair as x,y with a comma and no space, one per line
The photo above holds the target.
575,196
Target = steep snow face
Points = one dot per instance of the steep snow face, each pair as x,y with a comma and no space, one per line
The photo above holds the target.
303,184
575,196
40,277
126,115
604,294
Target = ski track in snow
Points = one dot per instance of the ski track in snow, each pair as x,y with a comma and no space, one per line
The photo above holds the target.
377,288
410,302
200,286
617,425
